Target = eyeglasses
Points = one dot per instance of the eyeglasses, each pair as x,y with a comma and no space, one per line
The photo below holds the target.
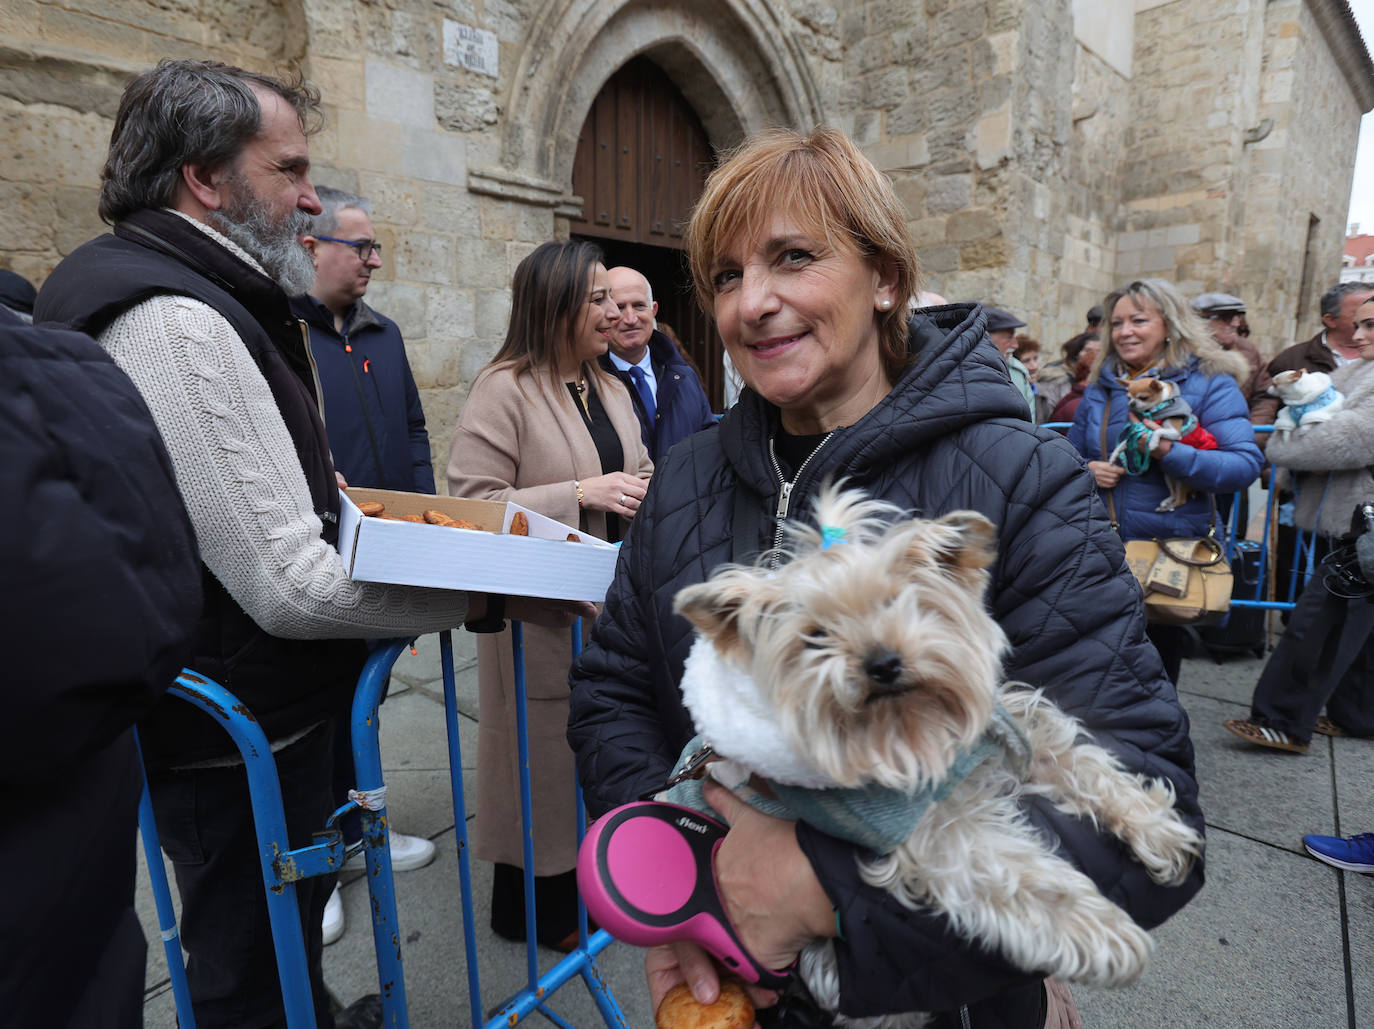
364,248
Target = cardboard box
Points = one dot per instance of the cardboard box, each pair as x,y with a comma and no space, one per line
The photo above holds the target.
542,564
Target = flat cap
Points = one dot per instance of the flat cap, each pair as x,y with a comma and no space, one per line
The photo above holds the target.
1000,319
1223,303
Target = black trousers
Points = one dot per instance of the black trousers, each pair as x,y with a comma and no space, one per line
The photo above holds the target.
206,823
1325,658
1171,641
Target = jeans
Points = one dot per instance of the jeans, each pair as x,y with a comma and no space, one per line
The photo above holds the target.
206,823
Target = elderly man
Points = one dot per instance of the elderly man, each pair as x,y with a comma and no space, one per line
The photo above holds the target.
376,425
668,396
1225,314
207,186
1001,328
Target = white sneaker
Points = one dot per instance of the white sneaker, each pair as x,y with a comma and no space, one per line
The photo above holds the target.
407,853
333,921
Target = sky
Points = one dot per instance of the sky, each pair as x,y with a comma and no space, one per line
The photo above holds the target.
1362,190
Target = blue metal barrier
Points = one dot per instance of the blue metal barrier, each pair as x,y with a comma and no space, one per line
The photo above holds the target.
283,867
581,961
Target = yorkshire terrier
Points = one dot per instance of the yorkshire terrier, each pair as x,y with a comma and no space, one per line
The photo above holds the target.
865,665
1158,405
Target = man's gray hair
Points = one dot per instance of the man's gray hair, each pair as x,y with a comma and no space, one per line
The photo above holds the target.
187,112
332,201
1331,299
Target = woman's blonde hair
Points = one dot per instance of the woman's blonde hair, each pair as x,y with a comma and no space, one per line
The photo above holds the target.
1185,333
825,182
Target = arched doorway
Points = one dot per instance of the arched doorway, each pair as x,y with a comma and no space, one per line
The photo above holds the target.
642,160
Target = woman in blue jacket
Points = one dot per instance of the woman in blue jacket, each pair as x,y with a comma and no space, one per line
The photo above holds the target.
1155,334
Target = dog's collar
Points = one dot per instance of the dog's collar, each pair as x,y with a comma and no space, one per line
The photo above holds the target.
879,818
1297,411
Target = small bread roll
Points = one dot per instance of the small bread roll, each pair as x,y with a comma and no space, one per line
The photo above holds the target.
519,525
732,1009
412,518
574,538
372,508
438,518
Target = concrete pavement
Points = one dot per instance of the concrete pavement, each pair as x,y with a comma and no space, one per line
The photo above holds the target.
1275,939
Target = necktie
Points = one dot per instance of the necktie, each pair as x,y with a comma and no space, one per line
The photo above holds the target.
646,395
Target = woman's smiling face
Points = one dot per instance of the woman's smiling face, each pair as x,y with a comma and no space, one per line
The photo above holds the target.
798,316
1138,334
592,327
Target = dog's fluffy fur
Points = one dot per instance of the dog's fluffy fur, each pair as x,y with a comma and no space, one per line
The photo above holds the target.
1143,395
1297,388
881,665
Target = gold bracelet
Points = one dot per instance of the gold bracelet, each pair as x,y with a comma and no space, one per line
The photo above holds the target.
578,486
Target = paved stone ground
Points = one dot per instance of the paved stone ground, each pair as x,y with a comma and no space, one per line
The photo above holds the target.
1275,938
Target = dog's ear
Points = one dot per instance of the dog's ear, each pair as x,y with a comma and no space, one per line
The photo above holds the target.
963,543
713,607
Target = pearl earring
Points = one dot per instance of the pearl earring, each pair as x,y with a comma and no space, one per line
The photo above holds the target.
885,304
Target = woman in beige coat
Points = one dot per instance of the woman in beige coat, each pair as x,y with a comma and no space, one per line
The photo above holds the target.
544,427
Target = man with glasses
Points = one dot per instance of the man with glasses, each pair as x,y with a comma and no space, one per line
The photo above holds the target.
374,421
372,410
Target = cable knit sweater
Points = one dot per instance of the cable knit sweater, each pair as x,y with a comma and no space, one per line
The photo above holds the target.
238,473
1340,449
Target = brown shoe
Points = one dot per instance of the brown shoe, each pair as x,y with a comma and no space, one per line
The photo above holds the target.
1263,736
1327,727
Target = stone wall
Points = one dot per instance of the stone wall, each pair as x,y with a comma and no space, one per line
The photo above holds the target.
1037,171
1097,157
1300,170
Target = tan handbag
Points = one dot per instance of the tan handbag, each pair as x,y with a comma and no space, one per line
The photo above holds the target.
1185,581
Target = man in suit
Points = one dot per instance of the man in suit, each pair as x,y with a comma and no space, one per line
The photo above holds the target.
667,394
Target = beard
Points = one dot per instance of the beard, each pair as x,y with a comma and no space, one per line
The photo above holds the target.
273,244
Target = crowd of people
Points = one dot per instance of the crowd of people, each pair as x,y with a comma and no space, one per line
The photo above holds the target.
223,320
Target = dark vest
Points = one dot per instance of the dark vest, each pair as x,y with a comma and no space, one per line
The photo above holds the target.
288,685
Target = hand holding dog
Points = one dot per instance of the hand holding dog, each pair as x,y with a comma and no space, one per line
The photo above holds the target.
771,895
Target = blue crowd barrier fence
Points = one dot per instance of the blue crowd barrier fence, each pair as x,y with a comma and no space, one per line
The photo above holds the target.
283,866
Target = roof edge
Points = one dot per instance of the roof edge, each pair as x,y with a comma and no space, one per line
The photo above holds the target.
1342,34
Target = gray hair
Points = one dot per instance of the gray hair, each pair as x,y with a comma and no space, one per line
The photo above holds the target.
1331,299
332,201
187,112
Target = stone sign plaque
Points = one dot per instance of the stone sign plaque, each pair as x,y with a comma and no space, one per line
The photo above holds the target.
471,48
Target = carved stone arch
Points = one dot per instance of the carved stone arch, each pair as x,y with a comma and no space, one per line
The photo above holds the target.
734,61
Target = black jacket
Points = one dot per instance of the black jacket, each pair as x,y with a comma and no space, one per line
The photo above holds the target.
289,685
372,409
951,435
680,404
99,601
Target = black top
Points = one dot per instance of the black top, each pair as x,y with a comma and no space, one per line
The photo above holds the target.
607,442
792,451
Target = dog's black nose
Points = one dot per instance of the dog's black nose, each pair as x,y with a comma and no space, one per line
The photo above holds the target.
883,667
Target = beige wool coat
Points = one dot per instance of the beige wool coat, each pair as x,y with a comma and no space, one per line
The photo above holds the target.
529,448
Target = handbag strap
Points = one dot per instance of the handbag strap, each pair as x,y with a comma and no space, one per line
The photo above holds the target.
1218,553
1107,494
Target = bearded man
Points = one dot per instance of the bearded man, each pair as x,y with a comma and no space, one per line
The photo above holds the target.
207,186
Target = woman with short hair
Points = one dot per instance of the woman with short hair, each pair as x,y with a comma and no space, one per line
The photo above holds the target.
799,249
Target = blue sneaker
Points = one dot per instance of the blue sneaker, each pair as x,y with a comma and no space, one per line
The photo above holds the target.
1354,853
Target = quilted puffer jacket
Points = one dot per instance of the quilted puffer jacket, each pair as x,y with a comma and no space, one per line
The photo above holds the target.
951,435
1220,408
